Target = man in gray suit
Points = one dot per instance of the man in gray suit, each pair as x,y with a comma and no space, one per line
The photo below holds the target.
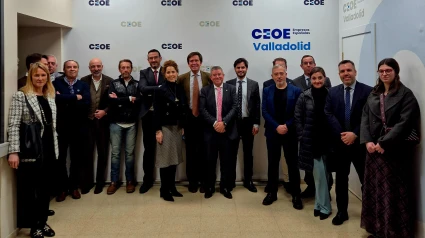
248,119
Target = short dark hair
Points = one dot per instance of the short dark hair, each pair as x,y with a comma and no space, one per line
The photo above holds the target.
193,54
306,56
45,57
154,50
317,70
169,63
31,59
280,59
347,62
127,61
240,60
64,63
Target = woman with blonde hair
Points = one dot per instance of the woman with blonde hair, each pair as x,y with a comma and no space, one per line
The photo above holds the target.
34,104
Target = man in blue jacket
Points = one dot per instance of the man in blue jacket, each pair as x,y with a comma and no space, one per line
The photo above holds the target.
278,112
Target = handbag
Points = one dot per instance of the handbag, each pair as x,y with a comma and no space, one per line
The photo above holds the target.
412,137
30,138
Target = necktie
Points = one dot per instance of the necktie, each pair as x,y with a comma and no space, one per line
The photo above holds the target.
240,99
219,101
155,74
195,96
347,108
308,82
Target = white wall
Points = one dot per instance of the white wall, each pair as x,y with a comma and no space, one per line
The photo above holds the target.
56,11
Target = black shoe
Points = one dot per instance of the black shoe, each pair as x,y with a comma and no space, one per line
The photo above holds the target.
208,192
167,196
250,186
226,193
339,218
269,199
202,189
98,189
324,216
37,233
286,186
145,187
48,231
193,188
309,192
85,191
297,203
50,213
176,193
316,213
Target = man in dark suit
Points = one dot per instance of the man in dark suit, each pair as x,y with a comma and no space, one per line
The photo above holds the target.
278,111
98,127
280,61
344,106
193,81
29,60
218,108
303,82
151,78
248,118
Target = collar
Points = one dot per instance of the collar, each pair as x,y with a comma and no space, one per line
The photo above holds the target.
306,77
221,86
158,69
243,80
197,74
352,86
68,82
97,80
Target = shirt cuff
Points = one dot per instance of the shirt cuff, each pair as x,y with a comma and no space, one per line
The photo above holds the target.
214,123
256,125
129,98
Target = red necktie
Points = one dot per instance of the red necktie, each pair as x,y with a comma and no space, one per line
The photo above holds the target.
219,103
155,74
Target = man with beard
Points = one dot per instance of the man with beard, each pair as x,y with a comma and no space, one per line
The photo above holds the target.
98,127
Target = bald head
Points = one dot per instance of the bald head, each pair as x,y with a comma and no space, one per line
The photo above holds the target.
96,67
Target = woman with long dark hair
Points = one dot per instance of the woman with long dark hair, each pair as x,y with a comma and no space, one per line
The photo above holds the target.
390,130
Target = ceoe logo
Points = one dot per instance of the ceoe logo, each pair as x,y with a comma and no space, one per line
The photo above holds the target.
131,24
242,3
314,2
99,2
275,33
100,46
209,23
171,2
171,46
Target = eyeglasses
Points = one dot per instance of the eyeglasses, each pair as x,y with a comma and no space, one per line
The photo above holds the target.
387,71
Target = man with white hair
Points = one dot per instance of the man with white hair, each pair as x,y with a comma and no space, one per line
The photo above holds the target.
52,65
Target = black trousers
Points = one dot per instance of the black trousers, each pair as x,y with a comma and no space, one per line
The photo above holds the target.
346,155
98,136
195,151
168,178
290,148
149,142
220,145
245,134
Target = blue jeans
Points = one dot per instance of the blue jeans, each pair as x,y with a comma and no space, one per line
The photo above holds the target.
323,203
120,135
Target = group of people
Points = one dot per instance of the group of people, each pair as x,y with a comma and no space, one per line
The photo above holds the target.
322,129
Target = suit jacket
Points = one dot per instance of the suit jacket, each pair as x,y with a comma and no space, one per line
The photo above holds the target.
19,112
269,111
300,82
147,86
104,87
185,80
208,110
271,82
335,110
253,99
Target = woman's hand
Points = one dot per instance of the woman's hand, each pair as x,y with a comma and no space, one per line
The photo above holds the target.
370,146
379,149
159,137
14,160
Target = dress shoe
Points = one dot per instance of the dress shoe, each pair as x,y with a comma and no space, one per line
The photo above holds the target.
269,199
316,213
50,213
324,216
339,218
130,188
48,231
250,186
309,192
286,186
75,194
176,193
167,196
145,187
297,203
37,233
208,192
193,188
112,188
226,193
61,197
98,189
202,189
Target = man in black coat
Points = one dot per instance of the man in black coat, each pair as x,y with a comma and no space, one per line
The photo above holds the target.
344,106
218,108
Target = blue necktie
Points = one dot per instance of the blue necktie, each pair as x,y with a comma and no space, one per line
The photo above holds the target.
347,108
308,82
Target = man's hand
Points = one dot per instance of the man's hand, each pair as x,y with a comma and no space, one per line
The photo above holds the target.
99,114
219,127
348,137
379,149
255,130
113,95
159,137
370,146
79,97
13,160
57,92
133,99
282,129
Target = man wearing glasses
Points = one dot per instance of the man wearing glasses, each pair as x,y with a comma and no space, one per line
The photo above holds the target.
72,102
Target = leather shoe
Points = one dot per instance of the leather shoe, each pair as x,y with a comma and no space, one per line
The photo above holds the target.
75,194
208,192
202,189
339,218
309,192
269,199
324,216
250,186
145,187
112,188
193,188
48,231
50,213
167,196
297,203
98,189
316,213
226,193
176,193
61,197
37,233
130,188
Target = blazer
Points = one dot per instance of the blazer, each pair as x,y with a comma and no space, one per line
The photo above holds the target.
271,82
401,113
300,82
104,87
19,112
335,110
253,99
208,110
269,111
147,86
185,80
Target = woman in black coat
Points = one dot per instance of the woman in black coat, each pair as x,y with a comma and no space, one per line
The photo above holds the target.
311,124
387,202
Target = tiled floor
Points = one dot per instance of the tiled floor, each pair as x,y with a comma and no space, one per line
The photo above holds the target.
147,215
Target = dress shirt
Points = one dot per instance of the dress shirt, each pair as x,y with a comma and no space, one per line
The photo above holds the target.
306,80
352,86
96,82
